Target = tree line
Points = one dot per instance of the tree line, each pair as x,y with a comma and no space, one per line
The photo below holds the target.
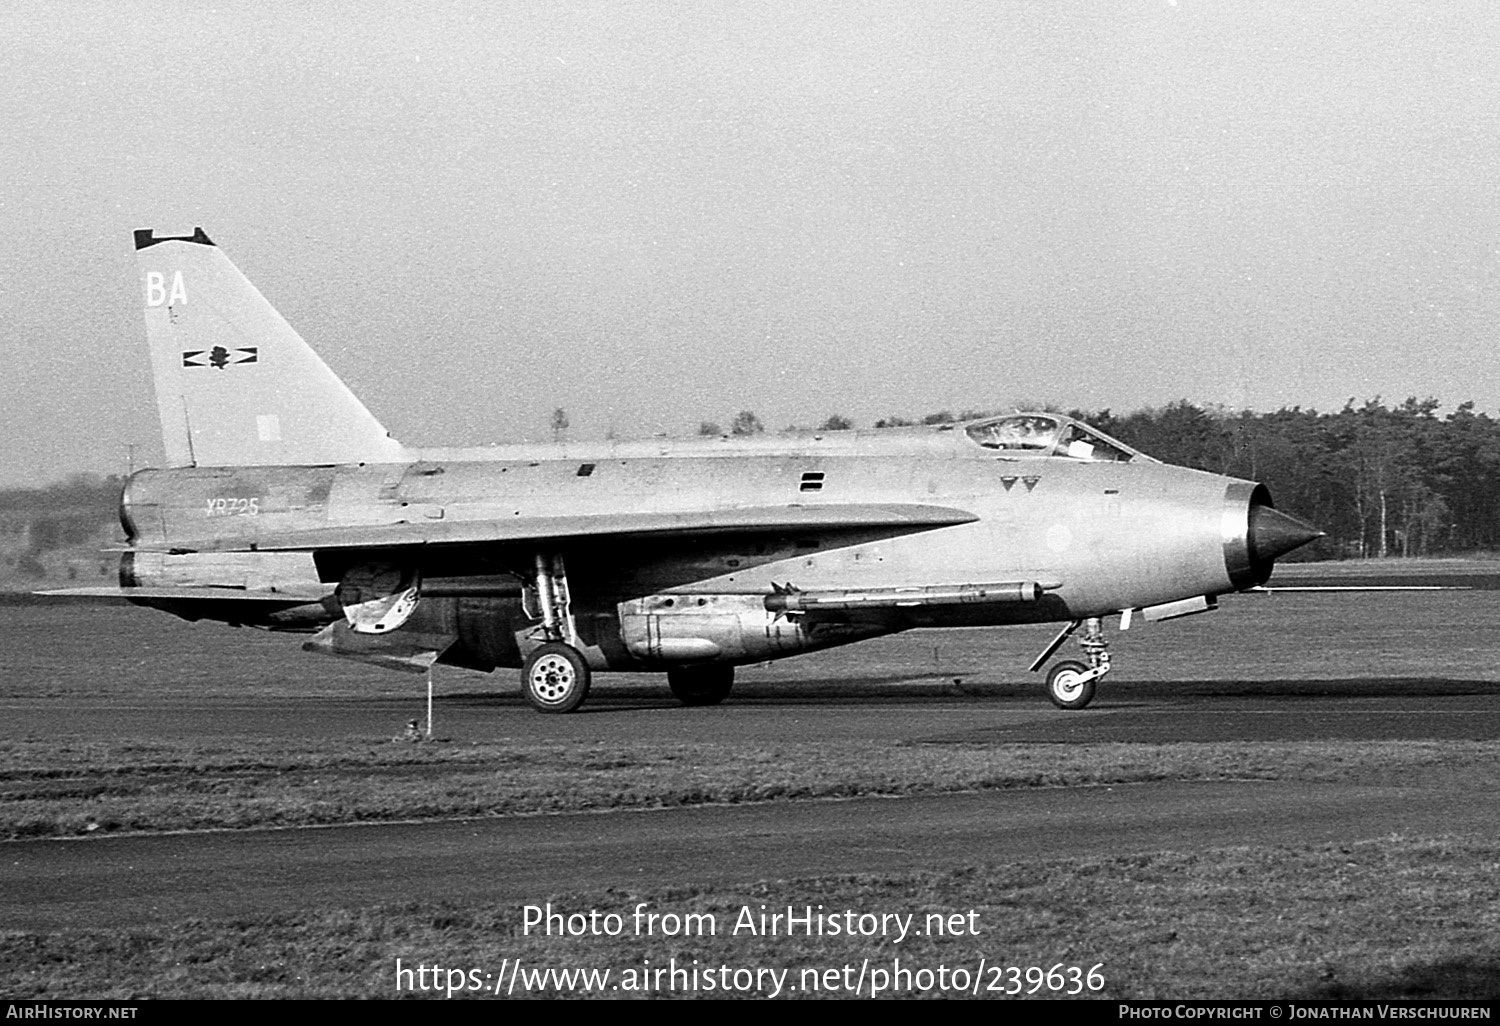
80,511
1380,480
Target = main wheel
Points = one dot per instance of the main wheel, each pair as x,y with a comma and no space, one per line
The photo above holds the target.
701,685
1065,688
556,679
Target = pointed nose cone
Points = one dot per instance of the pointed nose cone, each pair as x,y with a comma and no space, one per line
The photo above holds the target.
1274,533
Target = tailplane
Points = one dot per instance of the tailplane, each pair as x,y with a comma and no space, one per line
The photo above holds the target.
235,385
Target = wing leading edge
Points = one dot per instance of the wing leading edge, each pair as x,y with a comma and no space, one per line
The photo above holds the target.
898,517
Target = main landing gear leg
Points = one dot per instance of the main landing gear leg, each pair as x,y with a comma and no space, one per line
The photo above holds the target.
556,677
1070,684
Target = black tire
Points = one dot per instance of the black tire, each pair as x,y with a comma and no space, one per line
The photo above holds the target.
701,685
1063,687
556,679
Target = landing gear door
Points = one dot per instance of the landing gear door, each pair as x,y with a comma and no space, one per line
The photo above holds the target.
378,598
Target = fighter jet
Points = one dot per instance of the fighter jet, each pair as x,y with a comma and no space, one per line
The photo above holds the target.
286,505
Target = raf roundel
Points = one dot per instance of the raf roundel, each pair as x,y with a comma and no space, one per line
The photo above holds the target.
219,357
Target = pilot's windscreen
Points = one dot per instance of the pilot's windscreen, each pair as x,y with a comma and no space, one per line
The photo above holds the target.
1037,435
1023,432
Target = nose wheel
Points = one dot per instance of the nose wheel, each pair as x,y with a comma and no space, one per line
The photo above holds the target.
1070,684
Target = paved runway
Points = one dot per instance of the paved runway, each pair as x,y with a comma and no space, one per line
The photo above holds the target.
129,881
909,710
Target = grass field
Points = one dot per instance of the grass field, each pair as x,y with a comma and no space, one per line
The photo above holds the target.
51,790
1402,917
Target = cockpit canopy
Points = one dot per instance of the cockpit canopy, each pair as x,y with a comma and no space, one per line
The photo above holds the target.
1050,434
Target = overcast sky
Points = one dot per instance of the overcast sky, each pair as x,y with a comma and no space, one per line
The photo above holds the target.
653,214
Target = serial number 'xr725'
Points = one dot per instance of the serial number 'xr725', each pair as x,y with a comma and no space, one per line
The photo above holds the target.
232,507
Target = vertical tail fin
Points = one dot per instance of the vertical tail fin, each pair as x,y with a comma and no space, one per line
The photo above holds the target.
235,385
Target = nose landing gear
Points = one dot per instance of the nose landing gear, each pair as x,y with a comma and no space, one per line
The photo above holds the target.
1070,684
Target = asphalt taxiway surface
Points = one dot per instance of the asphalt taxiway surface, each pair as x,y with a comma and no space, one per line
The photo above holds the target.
129,881
898,711
135,880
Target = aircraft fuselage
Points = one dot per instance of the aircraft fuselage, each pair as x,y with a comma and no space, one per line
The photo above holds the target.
1094,537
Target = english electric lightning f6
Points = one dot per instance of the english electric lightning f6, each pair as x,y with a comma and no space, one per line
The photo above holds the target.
286,505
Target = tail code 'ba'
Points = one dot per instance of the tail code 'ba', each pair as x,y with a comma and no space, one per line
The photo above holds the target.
235,385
